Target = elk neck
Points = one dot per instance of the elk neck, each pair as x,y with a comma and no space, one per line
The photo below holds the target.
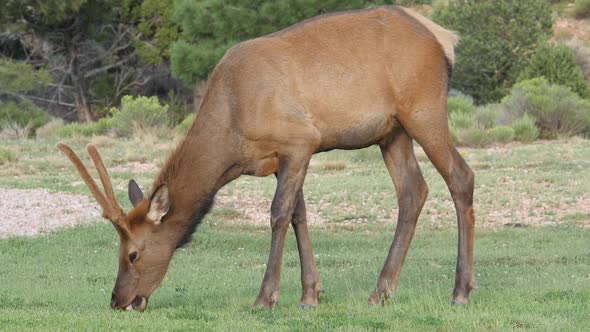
206,160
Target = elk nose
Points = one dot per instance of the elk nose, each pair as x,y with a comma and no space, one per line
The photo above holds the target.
113,301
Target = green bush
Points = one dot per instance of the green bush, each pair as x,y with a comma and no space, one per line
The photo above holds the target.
100,127
501,134
138,113
178,109
555,108
496,39
582,52
460,104
559,66
50,128
23,114
475,137
185,125
525,129
461,120
486,117
6,156
582,8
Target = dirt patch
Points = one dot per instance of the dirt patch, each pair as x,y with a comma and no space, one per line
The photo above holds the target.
252,210
31,212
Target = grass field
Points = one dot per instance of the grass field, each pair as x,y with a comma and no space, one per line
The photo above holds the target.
529,277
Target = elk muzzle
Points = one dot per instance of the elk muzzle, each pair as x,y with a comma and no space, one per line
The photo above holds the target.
139,303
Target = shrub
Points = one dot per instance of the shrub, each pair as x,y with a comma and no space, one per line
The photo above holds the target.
559,66
23,115
139,113
582,8
496,39
486,116
6,156
473,137
556,109
501,134
582,53
460,104
100,127
461,120
178,109
525,129
50,128
185,125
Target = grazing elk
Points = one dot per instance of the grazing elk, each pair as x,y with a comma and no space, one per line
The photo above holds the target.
341,81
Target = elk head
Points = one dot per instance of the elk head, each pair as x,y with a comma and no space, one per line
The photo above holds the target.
145,249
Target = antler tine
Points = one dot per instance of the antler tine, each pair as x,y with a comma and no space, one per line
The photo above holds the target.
105,179
107,210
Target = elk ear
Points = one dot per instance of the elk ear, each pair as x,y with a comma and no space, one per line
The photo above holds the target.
135,194
159,204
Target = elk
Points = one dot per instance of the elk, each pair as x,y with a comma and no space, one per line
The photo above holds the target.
345,80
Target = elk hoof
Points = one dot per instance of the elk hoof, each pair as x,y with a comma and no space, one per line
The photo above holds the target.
459,302
381,298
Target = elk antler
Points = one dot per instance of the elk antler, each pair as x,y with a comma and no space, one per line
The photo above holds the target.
111,209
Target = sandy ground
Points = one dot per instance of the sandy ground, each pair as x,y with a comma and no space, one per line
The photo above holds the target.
30,212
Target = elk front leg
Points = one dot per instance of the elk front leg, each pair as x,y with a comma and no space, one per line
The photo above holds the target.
292,170
310,279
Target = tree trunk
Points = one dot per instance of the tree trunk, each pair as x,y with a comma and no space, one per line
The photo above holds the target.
84,109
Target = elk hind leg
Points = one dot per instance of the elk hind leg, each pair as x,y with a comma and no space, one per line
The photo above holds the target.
429,127
412,190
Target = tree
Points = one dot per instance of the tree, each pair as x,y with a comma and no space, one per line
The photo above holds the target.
210,27
557,64
88,46
497,37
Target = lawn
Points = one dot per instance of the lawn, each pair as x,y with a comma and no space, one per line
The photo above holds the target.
532,248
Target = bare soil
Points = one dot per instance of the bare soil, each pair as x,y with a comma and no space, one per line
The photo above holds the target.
30,212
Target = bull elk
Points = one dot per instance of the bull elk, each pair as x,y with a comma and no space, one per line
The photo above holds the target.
347,80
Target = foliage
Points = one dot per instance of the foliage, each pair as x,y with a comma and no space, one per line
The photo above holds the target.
185,125
525,129
582,8
211,27
86,129
6,156
49,129
501,134
557,63
582,52
158,30
486,117
138,113
88,46
496,39
475,137
555,108
16,76
460,104
461,120
23,114
178,109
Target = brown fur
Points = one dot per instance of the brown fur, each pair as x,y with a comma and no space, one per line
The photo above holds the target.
342,81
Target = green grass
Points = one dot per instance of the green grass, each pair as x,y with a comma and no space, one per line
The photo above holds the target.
529,278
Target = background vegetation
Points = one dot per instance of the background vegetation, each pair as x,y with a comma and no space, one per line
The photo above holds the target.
54,64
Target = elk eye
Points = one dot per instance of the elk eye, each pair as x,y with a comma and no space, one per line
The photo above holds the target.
132,256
